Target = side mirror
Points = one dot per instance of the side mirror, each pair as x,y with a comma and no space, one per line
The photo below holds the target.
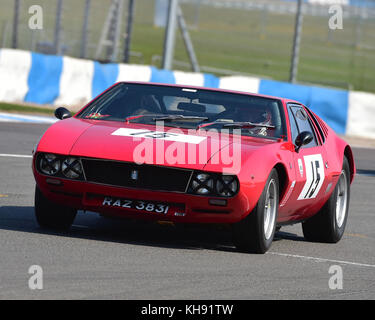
62,113
303,139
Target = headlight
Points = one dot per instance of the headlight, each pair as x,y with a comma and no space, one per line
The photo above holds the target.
71,168
59,166
49,164
202,184
214,184
227,186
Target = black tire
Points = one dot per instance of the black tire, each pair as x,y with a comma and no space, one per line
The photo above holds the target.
249,234
50,215
325,226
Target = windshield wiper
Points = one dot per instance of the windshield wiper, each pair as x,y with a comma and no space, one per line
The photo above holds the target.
244,125
247,125
180,117
130,118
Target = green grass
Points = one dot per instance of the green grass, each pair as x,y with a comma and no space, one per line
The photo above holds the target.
261,44
12,107
253,42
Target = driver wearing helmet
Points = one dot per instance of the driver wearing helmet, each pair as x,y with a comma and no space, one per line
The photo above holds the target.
261,115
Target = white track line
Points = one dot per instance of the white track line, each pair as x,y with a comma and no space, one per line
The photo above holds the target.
15,155
323,259
13,117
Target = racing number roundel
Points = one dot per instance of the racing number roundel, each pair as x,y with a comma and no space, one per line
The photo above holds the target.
315,175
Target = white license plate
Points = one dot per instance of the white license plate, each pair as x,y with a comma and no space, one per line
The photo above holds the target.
141,205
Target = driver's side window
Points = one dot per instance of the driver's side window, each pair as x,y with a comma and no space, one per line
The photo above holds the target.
299,122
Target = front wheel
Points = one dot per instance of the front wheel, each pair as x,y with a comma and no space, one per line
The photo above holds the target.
50,215
255,233
328,225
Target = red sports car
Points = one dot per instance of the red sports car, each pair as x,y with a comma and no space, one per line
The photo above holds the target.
196,155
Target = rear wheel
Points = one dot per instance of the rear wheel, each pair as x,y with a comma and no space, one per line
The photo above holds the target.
328,225
50,215
255,233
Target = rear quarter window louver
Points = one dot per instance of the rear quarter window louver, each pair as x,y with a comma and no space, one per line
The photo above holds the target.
322,127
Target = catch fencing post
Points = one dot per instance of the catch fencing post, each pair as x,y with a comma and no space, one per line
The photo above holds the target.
57,35
170,35
15,24
187,41
296,43
129,29
85,25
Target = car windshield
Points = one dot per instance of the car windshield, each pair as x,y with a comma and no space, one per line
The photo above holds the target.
189,108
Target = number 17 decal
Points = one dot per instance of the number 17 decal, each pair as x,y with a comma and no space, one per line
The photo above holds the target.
315,175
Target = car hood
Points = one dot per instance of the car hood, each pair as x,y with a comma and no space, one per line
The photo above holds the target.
147,144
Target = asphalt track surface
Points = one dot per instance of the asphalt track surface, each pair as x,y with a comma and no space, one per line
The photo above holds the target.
114,259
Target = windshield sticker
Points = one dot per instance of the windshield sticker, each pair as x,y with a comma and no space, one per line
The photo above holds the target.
167,136
97,116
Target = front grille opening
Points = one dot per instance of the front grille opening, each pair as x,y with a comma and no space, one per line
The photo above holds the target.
131,175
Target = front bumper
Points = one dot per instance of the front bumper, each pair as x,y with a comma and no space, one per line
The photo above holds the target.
184,208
